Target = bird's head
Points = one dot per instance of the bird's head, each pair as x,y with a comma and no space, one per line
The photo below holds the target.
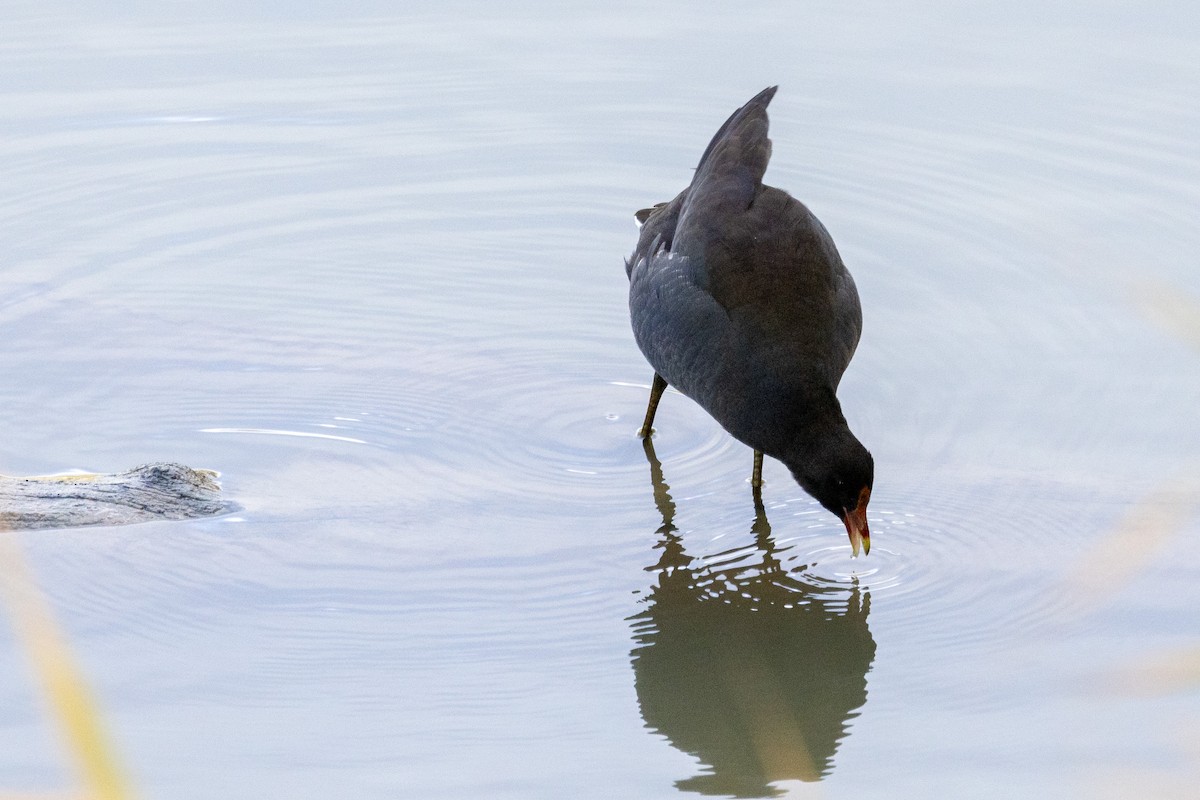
839,474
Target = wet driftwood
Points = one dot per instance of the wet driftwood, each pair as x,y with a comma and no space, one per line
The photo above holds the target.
145,493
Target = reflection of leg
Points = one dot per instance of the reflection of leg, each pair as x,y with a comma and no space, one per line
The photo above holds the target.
771,567
761,527
662,492
673,560
656,389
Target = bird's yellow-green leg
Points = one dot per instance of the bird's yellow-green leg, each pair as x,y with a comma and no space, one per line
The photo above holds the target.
756,476
656,390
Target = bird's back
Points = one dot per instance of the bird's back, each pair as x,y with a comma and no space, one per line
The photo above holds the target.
737,293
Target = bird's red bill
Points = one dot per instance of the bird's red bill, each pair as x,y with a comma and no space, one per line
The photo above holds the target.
856,524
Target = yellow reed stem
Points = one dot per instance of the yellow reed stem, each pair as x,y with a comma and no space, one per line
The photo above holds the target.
62,684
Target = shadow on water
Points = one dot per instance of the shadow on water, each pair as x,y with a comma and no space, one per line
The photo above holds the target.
742,665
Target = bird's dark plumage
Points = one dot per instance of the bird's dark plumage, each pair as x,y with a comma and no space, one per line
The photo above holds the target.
739,299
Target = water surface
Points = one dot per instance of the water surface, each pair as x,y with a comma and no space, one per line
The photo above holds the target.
369,266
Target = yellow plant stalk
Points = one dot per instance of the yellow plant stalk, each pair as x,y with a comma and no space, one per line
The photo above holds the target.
66,693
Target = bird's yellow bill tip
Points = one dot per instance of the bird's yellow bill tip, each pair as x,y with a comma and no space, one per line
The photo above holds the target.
856,527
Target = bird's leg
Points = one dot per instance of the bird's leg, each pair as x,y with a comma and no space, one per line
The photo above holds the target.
656,390
756,477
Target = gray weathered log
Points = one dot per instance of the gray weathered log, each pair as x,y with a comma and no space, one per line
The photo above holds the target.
145,493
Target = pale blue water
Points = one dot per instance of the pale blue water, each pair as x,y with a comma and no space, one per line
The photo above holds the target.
367,263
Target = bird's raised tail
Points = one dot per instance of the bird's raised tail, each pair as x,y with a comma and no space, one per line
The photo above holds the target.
741,142
730,173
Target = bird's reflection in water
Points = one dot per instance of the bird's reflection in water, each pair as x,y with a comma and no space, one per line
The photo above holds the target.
743,665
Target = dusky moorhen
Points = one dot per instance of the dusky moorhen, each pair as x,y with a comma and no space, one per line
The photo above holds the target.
739,299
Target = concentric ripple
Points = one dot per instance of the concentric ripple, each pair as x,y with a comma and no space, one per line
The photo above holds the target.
369,268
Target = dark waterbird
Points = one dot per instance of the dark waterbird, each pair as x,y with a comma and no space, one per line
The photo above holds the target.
740,300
